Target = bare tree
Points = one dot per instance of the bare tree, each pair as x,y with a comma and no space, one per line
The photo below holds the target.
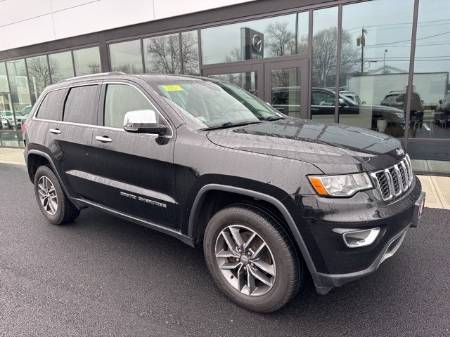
39,75
164,54
189,50
280,40
325,56
235,55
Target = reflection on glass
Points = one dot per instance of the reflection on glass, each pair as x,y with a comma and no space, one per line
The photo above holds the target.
189,50
38,75
285,95
374,67
20,93
162,54
324,63
430,104
61,66
253,39
8,136
87,61
5,96
126,57
302,33
245,80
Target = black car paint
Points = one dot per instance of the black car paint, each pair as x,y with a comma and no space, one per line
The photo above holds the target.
268,161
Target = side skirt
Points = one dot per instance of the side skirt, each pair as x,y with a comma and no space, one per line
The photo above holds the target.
177,234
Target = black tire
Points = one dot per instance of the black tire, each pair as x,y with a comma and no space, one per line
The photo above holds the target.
66,212
289,273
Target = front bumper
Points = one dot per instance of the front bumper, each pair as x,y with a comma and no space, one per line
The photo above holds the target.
337,264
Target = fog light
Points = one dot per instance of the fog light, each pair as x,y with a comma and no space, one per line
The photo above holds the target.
356,238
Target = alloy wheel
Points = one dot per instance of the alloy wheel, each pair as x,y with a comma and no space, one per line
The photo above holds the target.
245,260
47,195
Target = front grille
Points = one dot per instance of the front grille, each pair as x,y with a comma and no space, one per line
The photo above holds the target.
395,180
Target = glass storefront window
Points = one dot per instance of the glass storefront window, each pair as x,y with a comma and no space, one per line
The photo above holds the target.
324,64
87,61
8,135
5,95
126,57
20,92
189,52
255,39
61,66
162,54
430,101
376,45
38,75
245,80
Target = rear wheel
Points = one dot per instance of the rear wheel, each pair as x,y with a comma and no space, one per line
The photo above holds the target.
251,259
52,201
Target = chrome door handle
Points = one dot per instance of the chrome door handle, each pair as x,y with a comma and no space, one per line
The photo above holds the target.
55,131
103,139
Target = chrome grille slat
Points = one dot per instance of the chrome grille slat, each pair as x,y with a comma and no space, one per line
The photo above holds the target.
395,180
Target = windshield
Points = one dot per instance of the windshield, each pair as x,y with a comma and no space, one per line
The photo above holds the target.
216,104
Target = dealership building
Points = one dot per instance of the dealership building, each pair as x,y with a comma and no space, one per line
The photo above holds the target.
382,65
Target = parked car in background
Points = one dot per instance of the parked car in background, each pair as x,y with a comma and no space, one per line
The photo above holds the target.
7,118
323,103
444,104
392,100
351,95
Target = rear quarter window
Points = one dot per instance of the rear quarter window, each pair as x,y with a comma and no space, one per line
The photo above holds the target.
81,105
52,105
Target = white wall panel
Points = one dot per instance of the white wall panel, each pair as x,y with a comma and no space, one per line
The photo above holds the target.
101,15
26,22
13,11
28,32
169,8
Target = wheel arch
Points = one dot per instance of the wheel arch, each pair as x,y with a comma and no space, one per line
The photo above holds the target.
36,158
194,230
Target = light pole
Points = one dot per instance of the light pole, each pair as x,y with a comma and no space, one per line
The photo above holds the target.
384,61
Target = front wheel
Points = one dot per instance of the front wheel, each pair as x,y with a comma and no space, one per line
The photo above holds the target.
52,201
251,259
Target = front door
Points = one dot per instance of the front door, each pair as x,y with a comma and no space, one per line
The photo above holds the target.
282,82
134,171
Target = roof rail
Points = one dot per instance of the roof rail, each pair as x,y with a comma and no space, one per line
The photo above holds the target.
93,75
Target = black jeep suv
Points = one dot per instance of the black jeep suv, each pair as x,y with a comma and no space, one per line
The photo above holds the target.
270,198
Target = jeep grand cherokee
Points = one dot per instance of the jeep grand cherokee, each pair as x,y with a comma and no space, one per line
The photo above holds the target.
269,197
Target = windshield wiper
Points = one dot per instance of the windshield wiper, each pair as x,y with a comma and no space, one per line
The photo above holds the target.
229,125
273,118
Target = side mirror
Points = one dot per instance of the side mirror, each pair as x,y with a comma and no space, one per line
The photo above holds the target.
143,121
342,102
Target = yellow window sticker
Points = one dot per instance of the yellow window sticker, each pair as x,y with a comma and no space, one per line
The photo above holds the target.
172,87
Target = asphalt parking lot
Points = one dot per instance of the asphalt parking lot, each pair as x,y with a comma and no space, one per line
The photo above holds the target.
103,276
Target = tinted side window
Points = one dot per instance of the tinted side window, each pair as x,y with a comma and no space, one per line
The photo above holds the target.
52,105
322,98
81,105
121,98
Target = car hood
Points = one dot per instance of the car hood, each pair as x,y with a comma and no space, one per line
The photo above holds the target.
333,148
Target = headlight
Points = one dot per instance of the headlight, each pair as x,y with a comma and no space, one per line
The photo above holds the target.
340,186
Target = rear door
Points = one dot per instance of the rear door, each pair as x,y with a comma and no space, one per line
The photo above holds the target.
134,171
75,138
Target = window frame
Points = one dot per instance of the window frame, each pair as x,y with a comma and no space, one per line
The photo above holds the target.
39,103
101,110
98,94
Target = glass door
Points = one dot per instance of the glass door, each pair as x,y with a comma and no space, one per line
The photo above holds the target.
282,82
286,86
245,75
